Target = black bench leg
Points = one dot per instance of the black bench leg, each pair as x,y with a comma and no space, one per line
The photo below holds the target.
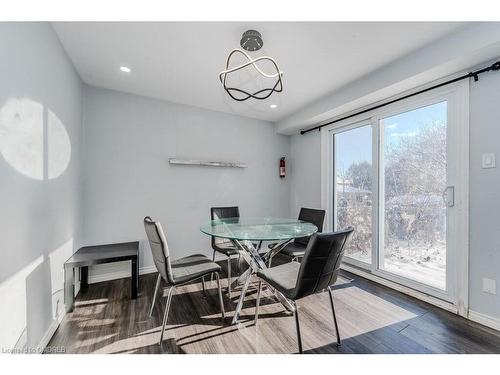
84,278
135,277
69,289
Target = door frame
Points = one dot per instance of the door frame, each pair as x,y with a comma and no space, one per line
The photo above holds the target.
457,97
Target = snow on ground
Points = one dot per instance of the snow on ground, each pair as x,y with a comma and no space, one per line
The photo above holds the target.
424,264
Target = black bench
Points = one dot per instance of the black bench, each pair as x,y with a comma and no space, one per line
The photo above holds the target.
92,255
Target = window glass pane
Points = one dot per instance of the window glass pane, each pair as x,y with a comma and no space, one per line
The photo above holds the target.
354,176
414,167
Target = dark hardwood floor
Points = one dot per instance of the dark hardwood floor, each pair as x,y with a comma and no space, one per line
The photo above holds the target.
372,319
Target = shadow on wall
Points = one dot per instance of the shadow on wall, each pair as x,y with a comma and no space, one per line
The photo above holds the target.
33,142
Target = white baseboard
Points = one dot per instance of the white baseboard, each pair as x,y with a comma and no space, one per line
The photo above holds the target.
484,319
403,289
22,342
119,274
22,345
50,332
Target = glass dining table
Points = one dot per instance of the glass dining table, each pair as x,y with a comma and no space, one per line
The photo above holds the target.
247,235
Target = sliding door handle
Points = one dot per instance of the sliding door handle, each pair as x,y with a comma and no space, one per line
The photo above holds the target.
449,196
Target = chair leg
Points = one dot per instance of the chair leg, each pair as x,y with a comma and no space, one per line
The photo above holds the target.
223,313
165,315
297,325
257,303
229,276
158,280
213,260
203,286
334,316
270,261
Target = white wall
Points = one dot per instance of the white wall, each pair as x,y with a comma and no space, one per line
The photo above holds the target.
40,135
305,172
484,188
484,194
128,140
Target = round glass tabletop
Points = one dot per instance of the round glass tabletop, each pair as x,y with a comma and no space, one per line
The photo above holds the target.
258,229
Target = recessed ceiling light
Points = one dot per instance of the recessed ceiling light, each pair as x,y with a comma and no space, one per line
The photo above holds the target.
273,106
125,69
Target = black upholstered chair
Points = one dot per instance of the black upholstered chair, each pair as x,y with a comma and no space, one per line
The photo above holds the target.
179,271
223,245
297,247
317,271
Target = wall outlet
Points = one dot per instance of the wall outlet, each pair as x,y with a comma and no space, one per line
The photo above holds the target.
489,286
488,161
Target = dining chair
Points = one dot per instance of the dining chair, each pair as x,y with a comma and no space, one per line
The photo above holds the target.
176,272
317,272
297,247
223,245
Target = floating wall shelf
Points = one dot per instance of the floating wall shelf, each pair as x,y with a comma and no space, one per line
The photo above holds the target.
230,164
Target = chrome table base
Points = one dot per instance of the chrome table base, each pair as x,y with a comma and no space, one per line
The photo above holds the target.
251,255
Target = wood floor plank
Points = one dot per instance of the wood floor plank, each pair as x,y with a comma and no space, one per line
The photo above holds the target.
372,319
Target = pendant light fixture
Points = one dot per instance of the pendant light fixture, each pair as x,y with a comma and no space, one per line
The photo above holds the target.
251,41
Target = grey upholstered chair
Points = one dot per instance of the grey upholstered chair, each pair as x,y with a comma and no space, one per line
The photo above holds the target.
317,271
223,245
297,247
179,271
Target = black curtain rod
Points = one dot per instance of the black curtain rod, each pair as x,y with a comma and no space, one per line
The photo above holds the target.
475,75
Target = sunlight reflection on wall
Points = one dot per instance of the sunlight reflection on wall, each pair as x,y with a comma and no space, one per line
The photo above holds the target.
57,259
14,321
13,295
59,147
33,140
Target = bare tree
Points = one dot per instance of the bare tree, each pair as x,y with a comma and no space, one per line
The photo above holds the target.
415,175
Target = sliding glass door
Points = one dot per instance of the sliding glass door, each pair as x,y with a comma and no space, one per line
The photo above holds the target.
392,176
353,188
413,166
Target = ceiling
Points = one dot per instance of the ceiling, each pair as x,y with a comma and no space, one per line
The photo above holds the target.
180,61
